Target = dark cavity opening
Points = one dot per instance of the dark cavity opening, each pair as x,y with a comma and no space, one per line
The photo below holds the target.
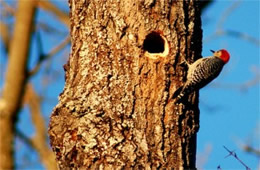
153,43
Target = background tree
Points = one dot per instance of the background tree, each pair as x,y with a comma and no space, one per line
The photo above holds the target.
15,80
17,90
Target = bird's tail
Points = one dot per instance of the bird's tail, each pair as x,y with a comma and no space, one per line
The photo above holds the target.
178,94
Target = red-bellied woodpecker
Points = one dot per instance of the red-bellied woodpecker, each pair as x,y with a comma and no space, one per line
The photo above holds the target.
202,72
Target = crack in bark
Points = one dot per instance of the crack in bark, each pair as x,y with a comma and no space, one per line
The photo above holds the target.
167,89
134,100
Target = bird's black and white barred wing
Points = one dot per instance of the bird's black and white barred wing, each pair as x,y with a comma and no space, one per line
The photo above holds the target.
200,74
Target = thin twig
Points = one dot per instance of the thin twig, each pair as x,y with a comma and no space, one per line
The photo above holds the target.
4,33
24,138
61,15
54,51
39,141
202,158
250,149
232,153
226,13
233,33
7,9
243,86
50,29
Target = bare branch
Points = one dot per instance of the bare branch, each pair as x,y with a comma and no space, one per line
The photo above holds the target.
243,86
4,32
226,13
50,29
15,80
39,141
202,158
250,149
8,10
249,146
232,153
48,6
233,33
24,138
54,51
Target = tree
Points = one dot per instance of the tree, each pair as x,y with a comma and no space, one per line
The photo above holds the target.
18,90
15,81
115,110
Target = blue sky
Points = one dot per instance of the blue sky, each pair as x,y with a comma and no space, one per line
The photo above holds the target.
229,116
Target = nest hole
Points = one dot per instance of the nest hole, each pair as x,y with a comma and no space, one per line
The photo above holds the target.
154,43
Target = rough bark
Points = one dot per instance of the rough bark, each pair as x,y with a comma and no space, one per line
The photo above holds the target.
115,111
15,80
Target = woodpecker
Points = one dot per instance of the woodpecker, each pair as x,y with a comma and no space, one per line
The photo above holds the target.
202,72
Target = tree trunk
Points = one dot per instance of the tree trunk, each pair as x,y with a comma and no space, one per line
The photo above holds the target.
115,111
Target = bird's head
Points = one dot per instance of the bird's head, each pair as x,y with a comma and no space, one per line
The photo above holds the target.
222,54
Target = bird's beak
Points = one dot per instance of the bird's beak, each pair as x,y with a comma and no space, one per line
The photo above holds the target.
212,51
